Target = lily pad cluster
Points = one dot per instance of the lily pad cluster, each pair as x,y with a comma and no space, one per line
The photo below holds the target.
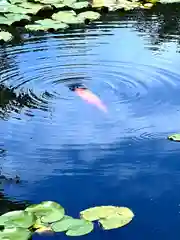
50,216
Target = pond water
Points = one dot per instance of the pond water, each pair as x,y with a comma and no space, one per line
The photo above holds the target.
69,151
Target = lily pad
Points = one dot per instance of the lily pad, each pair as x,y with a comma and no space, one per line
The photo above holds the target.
91,15
46,24
15,1
74,227
114,221
48,211
54,216
3,20
96,213
82,229
174,137
79,5
68,17
34,8
11,18
63,225
18,219
15,234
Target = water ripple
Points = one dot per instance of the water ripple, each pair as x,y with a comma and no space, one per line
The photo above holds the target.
140,97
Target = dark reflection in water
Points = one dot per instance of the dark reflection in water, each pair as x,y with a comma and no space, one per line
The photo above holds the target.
7,204
66,150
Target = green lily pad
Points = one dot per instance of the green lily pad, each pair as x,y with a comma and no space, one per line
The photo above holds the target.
3,20
68,17
34,8
69,2
82,229
5,36
96,213
174,137
11,17
15,1
79,5
63,225
15,234
114,221
18,219
46,24
74,227
36,27
54,216
91,15
59,5
47,209
4,6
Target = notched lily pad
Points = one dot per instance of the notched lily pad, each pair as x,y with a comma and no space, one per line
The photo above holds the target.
174,137
96,213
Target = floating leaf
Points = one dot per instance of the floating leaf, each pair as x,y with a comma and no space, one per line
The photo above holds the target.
96,213
11,17
15,234
18,219
34,8
3,20
46,24
114,221
49,1
82,229
74,227
79,5
4,6
68,17
65,223
5,36
69,2
91,15
45,209
15,1
59,5
168,1
174,137
36,27
54,216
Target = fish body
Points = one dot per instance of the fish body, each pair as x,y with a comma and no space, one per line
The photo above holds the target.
91,98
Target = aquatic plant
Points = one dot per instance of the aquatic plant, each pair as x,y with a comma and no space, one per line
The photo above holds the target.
49,216
174,137
60,14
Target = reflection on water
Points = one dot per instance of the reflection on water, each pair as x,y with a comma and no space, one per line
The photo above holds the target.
67,150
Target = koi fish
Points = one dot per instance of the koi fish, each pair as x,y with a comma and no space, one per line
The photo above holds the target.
90,97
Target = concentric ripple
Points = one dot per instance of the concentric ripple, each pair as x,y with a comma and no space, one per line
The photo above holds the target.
141,94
